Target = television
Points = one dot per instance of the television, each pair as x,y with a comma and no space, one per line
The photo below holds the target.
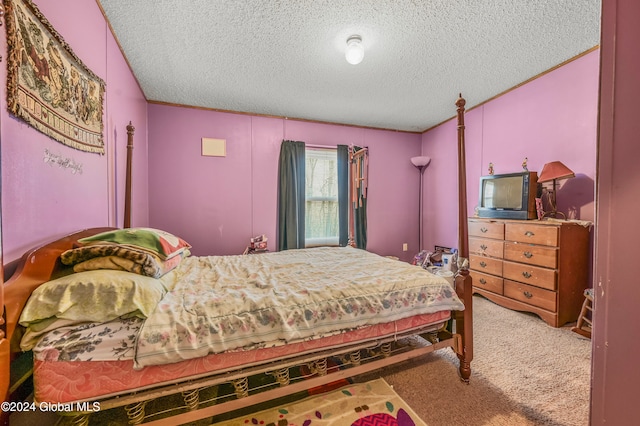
509,196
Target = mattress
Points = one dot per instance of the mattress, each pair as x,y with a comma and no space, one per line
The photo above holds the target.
96,361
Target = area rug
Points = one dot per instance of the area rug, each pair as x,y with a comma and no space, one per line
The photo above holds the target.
360,404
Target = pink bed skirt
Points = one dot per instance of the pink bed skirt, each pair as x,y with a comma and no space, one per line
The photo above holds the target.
71,381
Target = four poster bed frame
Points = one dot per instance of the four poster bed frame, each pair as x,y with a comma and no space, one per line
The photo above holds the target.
42,264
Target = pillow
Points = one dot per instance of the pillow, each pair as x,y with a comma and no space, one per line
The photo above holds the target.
153,266
159,242
93,296
117,257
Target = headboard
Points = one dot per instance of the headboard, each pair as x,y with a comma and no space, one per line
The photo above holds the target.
34,268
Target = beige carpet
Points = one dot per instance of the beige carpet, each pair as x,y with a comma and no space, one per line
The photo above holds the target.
369,403
524,372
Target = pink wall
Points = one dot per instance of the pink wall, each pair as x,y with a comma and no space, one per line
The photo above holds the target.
40,201
234,197
615,345
554,117
218,203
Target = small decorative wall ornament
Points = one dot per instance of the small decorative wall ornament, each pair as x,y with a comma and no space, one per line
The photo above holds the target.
524,164
48,86
490,168
66,163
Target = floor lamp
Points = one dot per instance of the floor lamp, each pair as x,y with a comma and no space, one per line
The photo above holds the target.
421,163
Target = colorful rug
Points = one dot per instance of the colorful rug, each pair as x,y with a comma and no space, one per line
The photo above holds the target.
359,404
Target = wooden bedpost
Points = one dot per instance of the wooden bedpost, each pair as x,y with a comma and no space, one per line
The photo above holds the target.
127,191
464,323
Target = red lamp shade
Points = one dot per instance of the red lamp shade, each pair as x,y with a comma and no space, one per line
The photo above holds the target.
555,170
552,172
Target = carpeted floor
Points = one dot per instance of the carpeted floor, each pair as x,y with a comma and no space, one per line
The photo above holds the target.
524,372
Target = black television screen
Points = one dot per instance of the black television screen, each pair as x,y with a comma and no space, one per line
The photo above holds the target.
508,196
504,193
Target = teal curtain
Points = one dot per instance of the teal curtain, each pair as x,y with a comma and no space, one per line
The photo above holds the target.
360,214
291,195
343,195
361,224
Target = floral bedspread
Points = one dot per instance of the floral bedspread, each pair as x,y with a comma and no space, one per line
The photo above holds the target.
222,303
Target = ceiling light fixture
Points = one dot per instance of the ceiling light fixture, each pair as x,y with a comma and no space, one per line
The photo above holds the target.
355,50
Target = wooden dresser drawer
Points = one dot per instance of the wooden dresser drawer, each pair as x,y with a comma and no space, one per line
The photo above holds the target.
487,282
532,233
488,265
486,247
533,255
486,229
531,295
528,274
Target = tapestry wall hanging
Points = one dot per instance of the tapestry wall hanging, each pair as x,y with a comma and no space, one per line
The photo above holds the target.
48,86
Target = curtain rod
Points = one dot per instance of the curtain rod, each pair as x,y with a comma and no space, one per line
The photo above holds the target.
330,146
320,146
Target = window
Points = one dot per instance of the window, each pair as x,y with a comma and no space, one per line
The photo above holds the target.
321,216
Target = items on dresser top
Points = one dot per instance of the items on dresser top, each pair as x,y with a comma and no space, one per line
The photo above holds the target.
535,266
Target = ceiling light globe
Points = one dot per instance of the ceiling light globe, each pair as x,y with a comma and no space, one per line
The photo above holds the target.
355,50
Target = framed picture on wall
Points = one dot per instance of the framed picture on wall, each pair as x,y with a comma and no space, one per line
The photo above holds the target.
48,86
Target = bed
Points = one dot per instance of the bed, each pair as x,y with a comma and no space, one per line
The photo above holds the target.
260,326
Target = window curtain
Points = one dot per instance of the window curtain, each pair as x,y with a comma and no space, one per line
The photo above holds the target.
359,183
291,195
343,195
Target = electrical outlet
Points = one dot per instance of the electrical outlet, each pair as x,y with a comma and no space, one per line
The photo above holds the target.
405,247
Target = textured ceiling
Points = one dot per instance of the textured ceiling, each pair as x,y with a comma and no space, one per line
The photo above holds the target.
286,57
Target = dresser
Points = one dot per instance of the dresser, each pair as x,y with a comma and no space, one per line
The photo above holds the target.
529,265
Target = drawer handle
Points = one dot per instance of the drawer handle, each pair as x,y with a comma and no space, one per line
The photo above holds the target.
526,274
484,230
483,247
528,254
483,264
529,234
528,295
483,281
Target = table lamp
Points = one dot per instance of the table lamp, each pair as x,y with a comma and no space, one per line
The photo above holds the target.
552,172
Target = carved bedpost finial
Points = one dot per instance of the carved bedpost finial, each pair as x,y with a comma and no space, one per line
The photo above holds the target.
461,102
130,129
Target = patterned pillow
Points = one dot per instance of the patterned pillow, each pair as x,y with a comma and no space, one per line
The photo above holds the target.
161,243
120,258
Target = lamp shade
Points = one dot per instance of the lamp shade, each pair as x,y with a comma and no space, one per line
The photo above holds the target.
355,50
555,170
421,161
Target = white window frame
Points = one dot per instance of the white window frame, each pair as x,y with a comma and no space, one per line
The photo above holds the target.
322,241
